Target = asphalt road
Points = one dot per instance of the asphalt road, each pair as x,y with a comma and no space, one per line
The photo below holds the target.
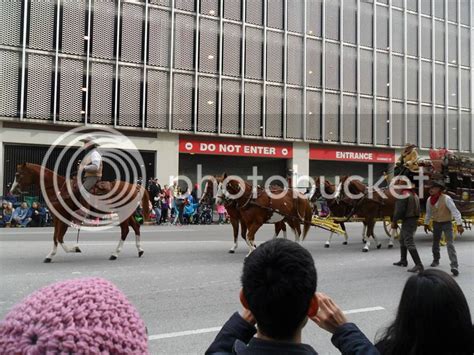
186,285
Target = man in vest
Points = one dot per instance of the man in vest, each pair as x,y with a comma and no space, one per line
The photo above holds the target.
91,164
407,210
441,208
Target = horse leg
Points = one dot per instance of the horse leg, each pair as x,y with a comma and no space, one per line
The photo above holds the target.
136,229
346,236
391,238
366,237
251,237
124,229
283,228
364,233
235,228
328,242
277,230
62,228
53,251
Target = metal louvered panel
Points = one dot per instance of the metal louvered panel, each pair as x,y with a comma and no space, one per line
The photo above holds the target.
440,78
159,37
188,5
425,7
465,12
452,11
350,21
232,49
412,34
295,60
10,18
439,8
440,128
465,46
132,26
366,24
412,5
207,109
102,77
332,19
275,14
367,72
465,88
466,137
9,80
412,124
350,69
398,124
453,86
426,82
230,123
253,109
313,62
166,3
382,74
73,26
426,127
233,9
313,116
366,121
453,126
183,102
209,46
331,118
382,118
70,90
296,16
41,33
412,79
440,37
157,99
332,66
274,114
382,27
184,42
255,11
452,44
253,53
397,31
103,29
294,114
397,77
426,38
275,54
314,16
396,3
130,94
39,86
210,7
349,119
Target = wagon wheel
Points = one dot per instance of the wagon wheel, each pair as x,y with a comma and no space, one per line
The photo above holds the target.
387,226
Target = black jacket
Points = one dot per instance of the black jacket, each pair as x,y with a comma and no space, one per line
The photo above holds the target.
407,207
237,337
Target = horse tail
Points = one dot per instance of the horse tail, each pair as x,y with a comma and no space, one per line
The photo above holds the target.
308,216
145,204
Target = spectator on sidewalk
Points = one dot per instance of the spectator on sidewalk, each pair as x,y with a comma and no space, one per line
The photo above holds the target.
37,215
80,316
21,216
221,211
278,295
6,213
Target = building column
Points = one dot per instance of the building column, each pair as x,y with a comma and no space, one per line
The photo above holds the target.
167,158
2,162
299,165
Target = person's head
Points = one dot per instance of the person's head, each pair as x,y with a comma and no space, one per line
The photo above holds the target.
433,317
10,205
78,316
166,187
4,204
24,205
436,188
278,286
34,205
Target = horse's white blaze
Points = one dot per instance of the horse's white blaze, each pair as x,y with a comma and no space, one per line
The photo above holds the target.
275,218
14,186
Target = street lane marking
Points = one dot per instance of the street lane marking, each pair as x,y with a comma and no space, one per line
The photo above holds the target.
216,329
22,232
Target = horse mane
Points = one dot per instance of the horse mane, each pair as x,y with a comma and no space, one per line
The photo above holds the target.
47,172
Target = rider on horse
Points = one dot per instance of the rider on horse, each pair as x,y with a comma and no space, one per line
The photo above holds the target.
91,164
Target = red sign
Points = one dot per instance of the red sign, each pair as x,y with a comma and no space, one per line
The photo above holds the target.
352,154
197,145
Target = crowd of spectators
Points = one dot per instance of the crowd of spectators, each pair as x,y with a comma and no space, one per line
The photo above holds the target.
23,215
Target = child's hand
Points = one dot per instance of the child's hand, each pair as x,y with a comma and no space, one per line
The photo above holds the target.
329,316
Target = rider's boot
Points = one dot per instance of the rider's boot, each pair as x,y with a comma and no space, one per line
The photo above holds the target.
416,258
403,257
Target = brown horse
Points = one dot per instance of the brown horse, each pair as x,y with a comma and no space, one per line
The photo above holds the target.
260,208
234,215
30,174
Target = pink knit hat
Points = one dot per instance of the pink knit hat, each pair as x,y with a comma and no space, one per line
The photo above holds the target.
80,316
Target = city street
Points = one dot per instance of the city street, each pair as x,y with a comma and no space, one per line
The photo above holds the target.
186,285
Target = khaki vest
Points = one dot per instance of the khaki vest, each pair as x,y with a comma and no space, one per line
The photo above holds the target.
440,211
87,160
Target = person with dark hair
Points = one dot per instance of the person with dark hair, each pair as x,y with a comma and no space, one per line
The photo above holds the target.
433,318
37,215
279,282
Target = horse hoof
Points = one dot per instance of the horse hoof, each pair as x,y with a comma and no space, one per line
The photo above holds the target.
364,241
113,257
326,246
77,250
345,243
365,250
47,260
231,251
390,246
379,246
140,253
